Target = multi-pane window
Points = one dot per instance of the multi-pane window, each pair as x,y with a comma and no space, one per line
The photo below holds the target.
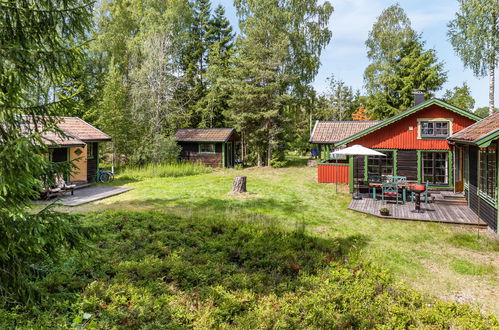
435,167
434,129
90,150
379,165
488,168
208,148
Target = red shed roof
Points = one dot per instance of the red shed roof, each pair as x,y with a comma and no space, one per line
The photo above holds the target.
334,131
204,134
76,132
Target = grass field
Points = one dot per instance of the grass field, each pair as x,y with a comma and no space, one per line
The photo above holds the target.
445,261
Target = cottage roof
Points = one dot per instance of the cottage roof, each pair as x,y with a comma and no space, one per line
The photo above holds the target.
204,134
480,133
76,132
334,131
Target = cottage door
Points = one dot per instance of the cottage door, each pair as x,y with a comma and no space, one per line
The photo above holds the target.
459,169
230,155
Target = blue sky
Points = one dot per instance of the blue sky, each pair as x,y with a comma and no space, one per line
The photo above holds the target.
345,56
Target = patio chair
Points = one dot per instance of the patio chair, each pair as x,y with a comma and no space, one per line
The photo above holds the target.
426,194
390,190
62,185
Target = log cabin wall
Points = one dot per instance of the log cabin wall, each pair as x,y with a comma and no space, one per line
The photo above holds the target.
485,211
407,161
190,152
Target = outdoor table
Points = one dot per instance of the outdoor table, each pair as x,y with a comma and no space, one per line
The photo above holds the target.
403,186
417,189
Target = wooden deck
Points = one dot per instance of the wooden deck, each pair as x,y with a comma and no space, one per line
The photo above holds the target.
433,212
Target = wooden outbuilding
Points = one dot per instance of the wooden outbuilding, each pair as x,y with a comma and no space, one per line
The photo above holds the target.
79,144
215,147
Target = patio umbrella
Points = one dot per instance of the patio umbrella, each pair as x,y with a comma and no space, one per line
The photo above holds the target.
358,150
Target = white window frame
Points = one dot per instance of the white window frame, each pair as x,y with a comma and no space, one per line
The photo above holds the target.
207,152
450,122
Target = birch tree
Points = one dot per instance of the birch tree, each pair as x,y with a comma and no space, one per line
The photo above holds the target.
474,35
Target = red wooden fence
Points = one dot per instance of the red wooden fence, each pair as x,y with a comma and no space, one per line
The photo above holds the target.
333,173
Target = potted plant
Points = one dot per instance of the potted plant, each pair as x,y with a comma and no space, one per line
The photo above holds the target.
384,211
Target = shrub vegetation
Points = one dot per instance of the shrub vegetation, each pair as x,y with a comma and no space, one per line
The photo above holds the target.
154,270
163,170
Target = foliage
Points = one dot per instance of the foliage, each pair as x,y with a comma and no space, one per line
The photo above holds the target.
277,52
484,111
213,106
163,170
157,270
360,114
137,44
341,101
474,35
460,97
399,65
41,51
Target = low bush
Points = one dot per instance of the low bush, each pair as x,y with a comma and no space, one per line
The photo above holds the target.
154,270
164,170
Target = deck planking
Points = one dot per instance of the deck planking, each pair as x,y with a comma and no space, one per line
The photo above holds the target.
433,212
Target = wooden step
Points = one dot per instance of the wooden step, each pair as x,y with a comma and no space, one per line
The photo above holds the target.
440,199
452,195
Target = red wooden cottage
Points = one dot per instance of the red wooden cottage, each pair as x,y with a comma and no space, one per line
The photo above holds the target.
414,141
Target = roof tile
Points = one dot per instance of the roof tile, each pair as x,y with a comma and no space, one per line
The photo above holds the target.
478,129
334,131
203,134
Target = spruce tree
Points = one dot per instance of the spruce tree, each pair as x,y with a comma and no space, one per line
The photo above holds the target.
213,105
40,47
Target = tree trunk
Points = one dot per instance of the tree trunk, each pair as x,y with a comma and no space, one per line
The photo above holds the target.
491,85
239,185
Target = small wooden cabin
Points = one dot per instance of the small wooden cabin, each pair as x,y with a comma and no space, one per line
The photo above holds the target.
215,147
477,163
79,145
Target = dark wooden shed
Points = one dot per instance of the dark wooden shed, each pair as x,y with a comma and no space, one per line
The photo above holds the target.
215,147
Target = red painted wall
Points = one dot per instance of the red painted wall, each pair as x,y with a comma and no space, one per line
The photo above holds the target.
333,173
398,136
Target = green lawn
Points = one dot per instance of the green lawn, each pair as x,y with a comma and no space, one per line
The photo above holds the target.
449,262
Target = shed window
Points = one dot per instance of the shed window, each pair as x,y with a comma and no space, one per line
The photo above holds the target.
378,166
435,167
488,167
90,151
207,148
434,129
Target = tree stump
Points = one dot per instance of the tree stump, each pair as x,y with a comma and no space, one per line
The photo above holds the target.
239,185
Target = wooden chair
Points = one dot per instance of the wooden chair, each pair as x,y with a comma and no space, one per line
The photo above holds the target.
390,190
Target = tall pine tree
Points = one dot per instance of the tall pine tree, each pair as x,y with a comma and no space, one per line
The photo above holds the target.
277,53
